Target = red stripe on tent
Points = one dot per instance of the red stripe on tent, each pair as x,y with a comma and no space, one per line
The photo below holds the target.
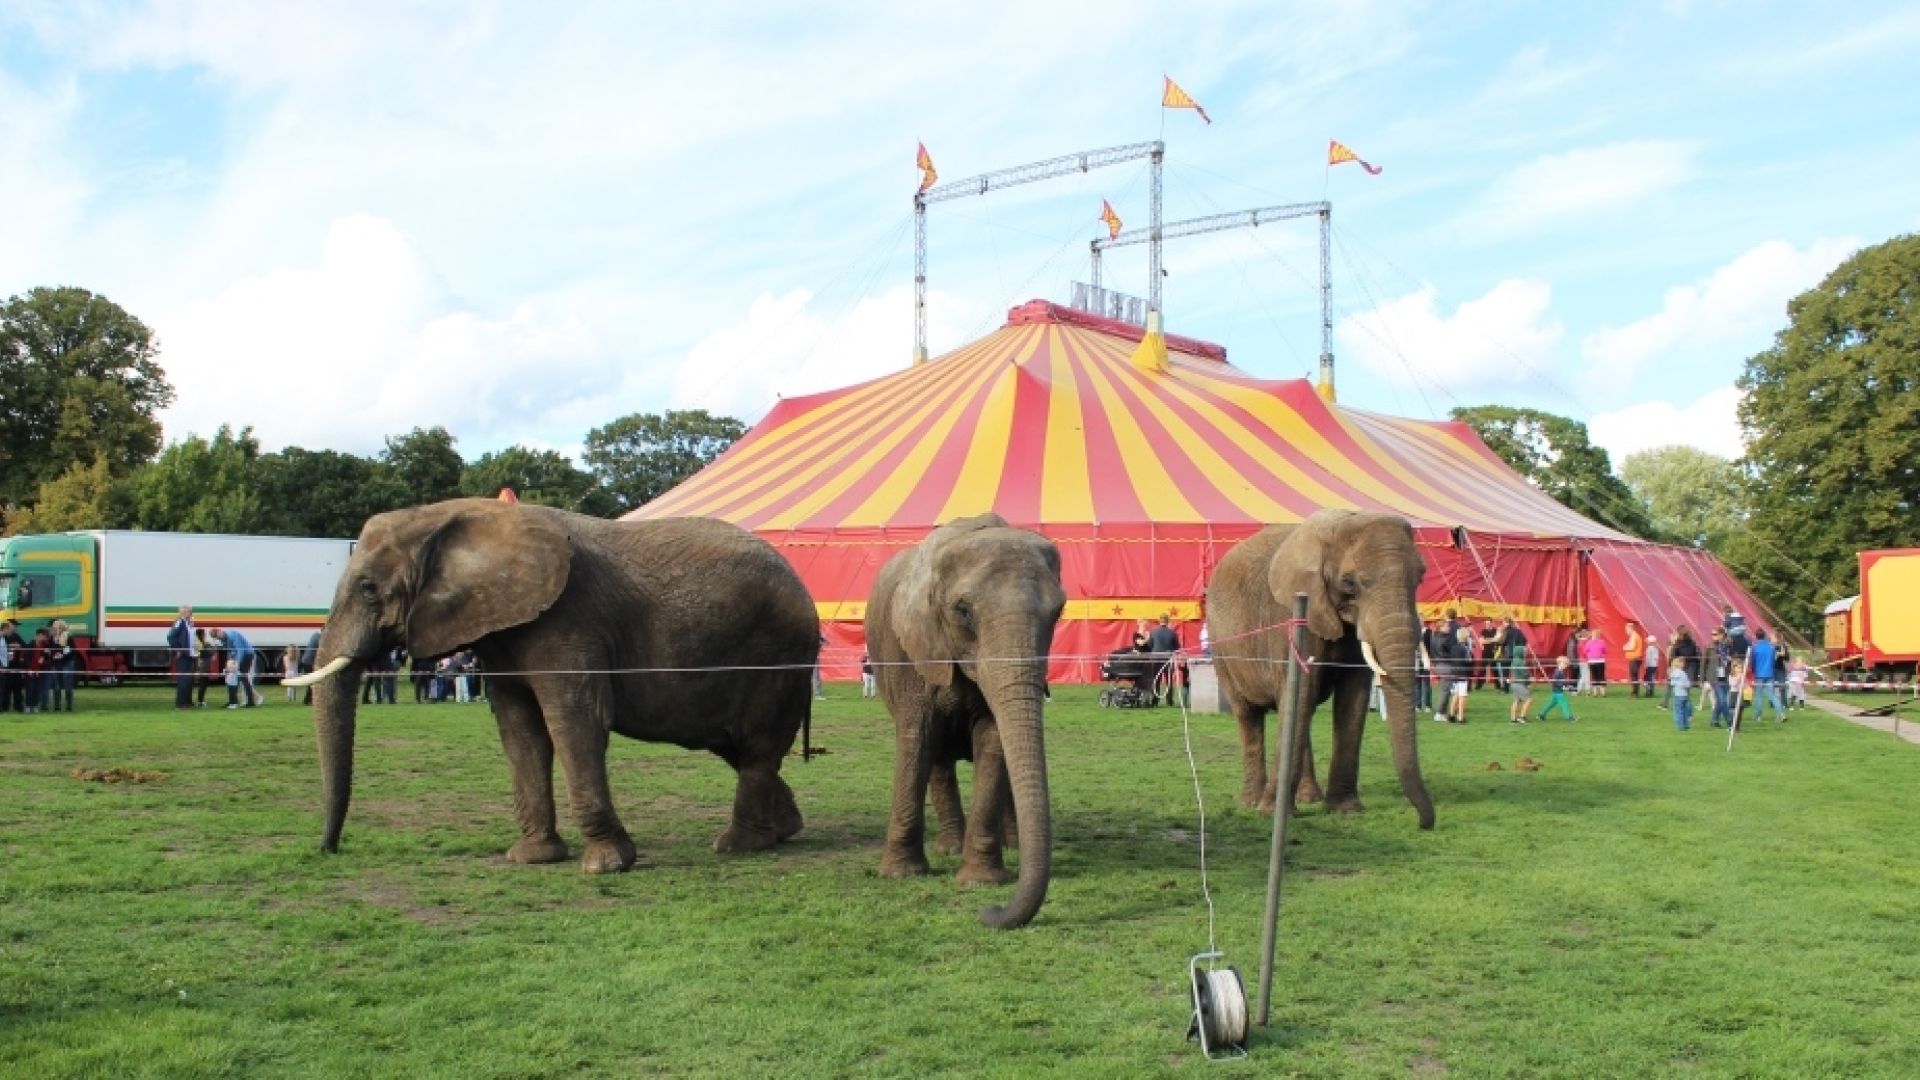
1018,497
930,495
1208,500
1113,495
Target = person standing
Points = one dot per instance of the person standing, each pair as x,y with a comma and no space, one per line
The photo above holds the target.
1492,672
1519,688
61,662
1797,673
1682,687
1462,673
290,668
1723,669
1422,670
1687,651
1633,651
36,685
240,659
183,645
1650,664
1593,653
1163,643
13,680
1577,661
867,686
1761,657
6,660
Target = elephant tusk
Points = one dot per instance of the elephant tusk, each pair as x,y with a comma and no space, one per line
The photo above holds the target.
1366,650
315,676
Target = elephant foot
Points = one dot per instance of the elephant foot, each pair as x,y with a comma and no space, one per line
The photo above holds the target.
1345,804
982,872
947,843
737,838
608,856
533,850
903,864
1256,798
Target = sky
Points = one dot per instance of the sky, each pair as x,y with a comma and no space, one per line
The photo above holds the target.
520,221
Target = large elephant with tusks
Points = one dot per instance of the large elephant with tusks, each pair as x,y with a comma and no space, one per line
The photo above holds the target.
691,631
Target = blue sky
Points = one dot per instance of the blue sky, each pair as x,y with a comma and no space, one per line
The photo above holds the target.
521,221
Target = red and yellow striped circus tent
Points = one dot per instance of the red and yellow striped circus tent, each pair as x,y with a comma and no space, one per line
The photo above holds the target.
1146,476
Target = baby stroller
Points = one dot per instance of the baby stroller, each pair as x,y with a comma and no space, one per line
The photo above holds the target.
1130,677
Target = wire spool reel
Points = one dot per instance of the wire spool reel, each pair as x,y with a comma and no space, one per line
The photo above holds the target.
1219,1009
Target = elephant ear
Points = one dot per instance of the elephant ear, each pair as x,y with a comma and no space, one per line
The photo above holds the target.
1305,563
918,621
488,567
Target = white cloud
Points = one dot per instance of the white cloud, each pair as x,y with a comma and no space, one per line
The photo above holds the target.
1584,181
360,344
1734,309
1710,423
1485,343
42,191
782,348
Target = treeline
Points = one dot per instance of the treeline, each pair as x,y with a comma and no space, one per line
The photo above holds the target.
81,447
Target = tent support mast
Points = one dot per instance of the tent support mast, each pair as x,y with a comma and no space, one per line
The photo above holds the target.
1084,161
1237,219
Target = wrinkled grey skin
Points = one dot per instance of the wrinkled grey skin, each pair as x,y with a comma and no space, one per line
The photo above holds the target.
1360,572
959,629
552,603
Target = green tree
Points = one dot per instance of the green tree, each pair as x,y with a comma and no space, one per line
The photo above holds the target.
536,476
1831,414
424,463
1556,456
639,457
322,492
83,497
1692,497
78,381
200,485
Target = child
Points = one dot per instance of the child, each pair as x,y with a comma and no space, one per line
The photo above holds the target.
1518,686
1562,682
1682,688
1796,683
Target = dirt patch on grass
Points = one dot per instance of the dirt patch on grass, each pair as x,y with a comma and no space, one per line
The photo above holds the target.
118,775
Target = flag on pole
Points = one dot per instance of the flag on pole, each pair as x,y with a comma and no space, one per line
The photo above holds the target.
927,174
1175,98
1112,219
1337,154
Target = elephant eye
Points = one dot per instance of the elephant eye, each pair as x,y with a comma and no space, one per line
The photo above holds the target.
1348,584
963,611
368,593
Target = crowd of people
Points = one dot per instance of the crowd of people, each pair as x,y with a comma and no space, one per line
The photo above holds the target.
37,674
207,657
1456,659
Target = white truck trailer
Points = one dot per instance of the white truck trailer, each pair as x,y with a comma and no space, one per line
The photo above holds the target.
119,591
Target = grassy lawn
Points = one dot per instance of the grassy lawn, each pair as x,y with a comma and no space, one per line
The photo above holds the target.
1645,904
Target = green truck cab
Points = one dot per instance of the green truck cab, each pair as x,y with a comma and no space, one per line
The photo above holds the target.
43,578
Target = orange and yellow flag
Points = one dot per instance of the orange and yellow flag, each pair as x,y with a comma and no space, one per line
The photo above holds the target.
1338,154
927,174
1112,219
1175,98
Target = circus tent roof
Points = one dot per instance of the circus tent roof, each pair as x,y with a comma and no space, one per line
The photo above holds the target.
1048,420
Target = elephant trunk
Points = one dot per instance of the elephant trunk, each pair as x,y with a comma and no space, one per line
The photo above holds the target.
1014,691
334,702
1391,626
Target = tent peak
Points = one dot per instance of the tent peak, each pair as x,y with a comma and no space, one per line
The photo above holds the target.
1048,312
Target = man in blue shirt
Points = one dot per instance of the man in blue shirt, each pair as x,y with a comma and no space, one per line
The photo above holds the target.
1766,681
240,662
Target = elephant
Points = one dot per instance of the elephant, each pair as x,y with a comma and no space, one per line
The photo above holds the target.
690,631
959,628
1360,572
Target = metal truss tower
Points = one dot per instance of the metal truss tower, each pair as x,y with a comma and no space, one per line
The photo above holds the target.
1027,174
1242,219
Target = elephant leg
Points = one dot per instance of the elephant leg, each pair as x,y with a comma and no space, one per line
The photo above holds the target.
764,812
944,786
1349,722
1255,789
905,851
1306,787
980,861
578,721
523,735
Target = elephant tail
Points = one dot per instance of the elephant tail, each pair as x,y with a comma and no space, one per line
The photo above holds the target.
806,732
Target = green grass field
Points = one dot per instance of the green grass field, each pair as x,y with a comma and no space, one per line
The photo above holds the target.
1645,904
